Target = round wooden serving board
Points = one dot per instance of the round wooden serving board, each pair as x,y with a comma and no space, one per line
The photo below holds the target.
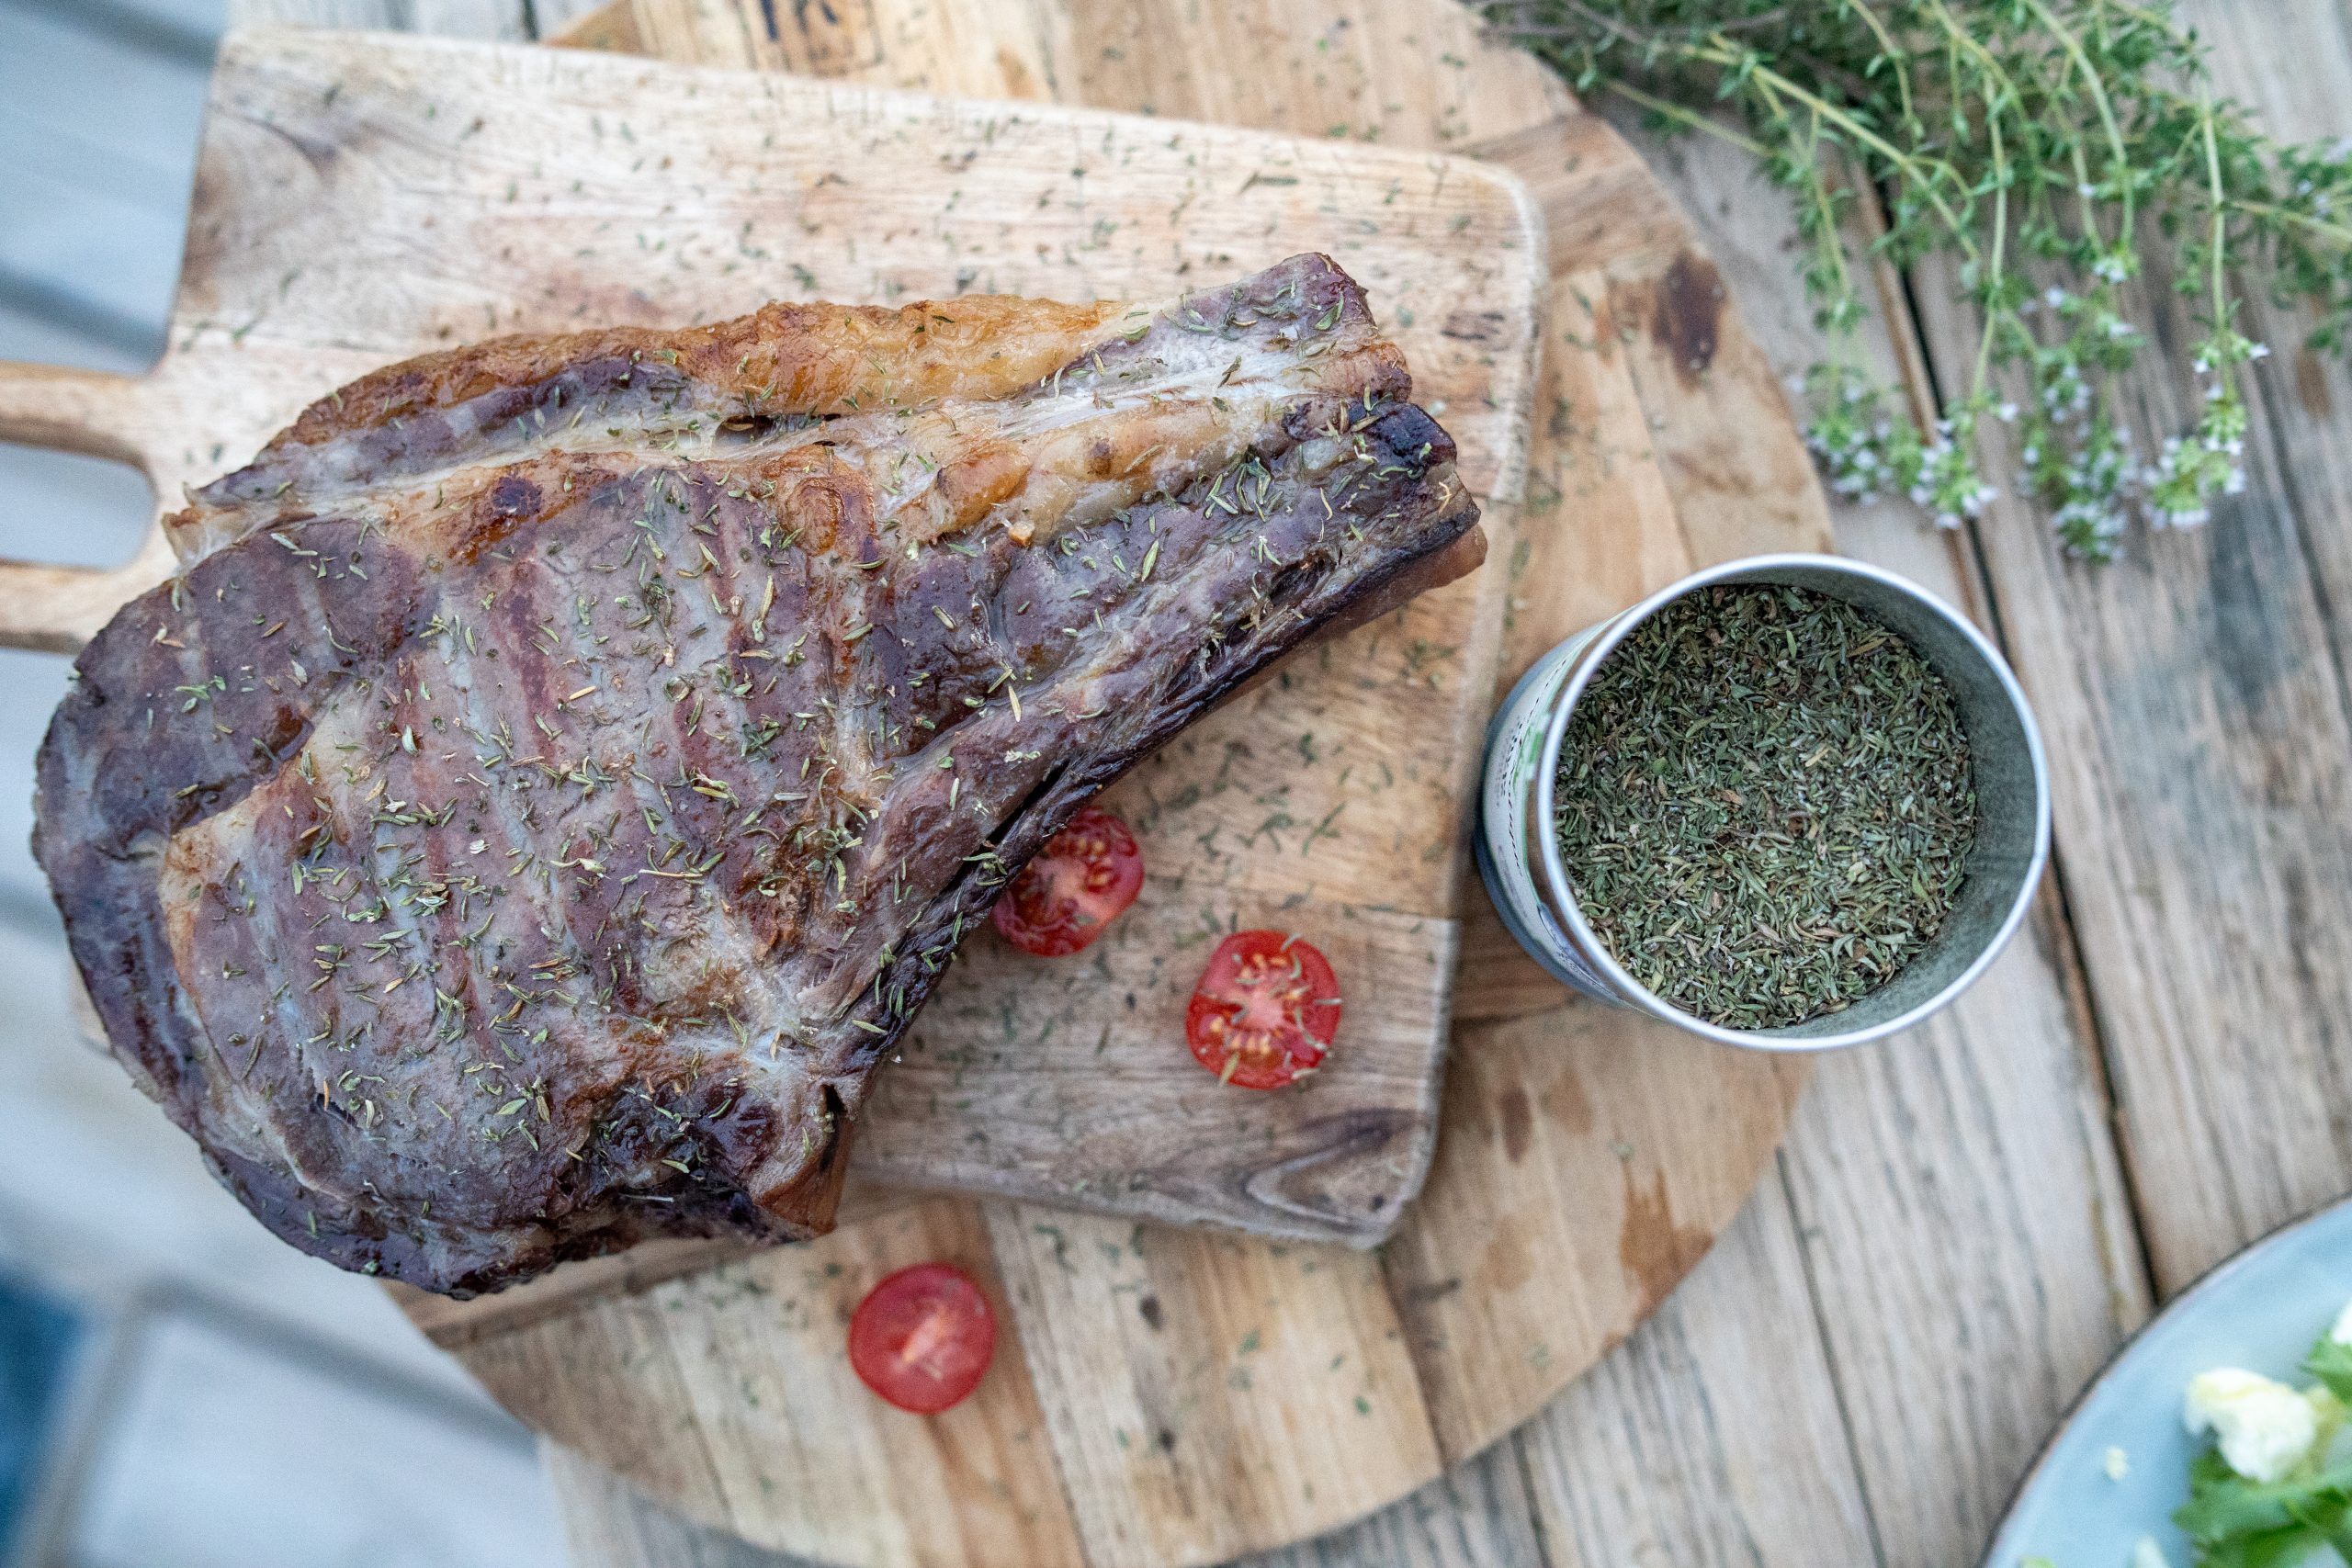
1174,1397
1180,1396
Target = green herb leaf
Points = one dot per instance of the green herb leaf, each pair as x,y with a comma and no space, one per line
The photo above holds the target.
2041,150
2331,1365
2237,1523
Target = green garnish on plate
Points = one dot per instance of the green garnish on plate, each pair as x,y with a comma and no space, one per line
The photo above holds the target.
2233,1522
2275,1489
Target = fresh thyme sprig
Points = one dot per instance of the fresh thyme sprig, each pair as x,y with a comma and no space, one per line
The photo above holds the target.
2046,147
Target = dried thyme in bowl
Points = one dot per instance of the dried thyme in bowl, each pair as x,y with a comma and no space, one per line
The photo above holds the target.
1765,804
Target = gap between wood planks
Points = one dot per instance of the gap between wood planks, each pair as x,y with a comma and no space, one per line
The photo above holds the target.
1914,370
1958,1195
2196,697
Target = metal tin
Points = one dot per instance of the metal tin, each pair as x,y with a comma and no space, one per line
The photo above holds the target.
1518,857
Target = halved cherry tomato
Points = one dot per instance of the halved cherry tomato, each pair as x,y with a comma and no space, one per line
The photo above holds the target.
923,1337
1084,877
1265,1009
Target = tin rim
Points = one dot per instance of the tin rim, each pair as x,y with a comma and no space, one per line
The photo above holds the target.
1555,876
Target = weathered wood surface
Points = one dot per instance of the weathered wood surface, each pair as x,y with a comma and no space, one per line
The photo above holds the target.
2195,700
1866,1360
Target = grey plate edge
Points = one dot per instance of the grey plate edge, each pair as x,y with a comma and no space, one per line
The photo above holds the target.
2244,1258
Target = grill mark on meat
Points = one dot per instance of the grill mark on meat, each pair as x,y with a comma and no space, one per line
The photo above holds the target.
753,695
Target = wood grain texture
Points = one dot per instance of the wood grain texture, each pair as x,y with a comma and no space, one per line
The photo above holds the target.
454,1324
610,26
1416,77
1605,1159
727,1392
2200,779
2194,699
1479,1514
1713,1440
1221,1382
1958,1194
1012,1084
52,608
2198,692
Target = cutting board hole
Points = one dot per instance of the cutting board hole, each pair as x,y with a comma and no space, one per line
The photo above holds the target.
67,510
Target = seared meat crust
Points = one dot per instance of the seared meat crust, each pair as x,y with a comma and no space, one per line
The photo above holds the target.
564,765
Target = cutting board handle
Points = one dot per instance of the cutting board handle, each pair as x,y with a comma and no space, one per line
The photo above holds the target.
71,409
52,608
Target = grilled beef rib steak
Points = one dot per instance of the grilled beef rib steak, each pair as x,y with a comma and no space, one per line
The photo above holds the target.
562,766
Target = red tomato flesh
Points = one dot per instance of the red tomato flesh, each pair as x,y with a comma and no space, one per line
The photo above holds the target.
1085,877
923,1337
1266,1007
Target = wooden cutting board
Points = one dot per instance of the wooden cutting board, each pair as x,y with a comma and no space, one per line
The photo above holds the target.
1179,1396
362,200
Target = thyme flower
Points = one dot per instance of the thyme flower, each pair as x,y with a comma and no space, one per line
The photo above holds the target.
2043,148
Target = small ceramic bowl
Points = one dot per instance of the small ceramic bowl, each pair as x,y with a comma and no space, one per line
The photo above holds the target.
1519,855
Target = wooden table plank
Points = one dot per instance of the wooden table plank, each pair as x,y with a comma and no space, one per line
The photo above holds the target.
1713,1438
1480,1516
2292,61
2199,754
2195,704
1957,1188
